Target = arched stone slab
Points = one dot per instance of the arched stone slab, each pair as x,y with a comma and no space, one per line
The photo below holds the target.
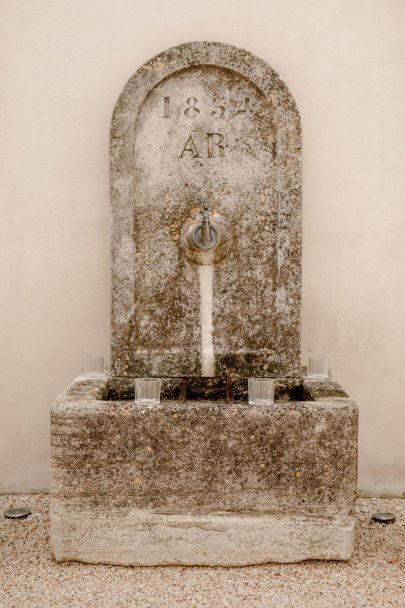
206,121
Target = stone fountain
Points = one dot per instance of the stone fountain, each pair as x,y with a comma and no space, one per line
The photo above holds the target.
206,292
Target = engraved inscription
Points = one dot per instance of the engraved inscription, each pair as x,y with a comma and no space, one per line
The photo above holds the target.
166,107
243,106
191,111
191,147
215,146
219,111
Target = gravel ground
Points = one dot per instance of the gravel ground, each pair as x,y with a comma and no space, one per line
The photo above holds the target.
29,577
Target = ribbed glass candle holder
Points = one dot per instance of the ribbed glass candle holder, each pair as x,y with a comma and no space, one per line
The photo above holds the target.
93,366
318,367
147,391
261,391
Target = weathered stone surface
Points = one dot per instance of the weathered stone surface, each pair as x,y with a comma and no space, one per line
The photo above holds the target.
206,121
130,482
132,537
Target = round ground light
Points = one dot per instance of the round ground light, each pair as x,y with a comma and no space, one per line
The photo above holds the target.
17,513
384,518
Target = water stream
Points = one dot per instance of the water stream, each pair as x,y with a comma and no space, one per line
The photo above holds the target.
206,276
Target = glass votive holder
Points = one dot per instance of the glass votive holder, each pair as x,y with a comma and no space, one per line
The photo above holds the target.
93,365
261,391
147,391
318,367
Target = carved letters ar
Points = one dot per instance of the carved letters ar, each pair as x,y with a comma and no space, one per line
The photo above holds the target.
215,146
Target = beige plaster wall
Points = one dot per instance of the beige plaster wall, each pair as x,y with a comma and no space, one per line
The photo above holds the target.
63,64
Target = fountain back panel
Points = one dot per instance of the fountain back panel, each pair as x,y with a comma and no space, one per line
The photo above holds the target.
206,291
210,124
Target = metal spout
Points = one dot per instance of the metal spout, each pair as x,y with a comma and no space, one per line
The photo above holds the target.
206,237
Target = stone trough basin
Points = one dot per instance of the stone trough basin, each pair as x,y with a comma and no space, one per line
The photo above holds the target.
203,482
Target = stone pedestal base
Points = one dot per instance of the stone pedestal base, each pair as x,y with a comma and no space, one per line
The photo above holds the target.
202,482
142,538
